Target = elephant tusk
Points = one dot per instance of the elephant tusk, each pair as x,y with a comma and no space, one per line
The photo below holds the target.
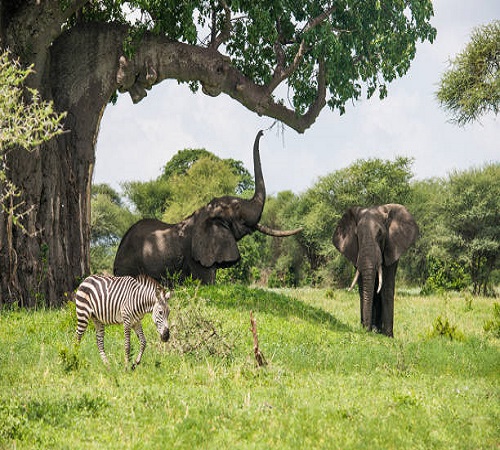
379,270
277,233
356,276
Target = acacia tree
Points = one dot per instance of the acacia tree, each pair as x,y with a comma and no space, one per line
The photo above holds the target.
470,88
324,51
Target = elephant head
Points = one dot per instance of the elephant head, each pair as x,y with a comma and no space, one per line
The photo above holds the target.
225,220
374,239
201,243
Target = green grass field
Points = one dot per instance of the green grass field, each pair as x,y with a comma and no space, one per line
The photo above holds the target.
328,383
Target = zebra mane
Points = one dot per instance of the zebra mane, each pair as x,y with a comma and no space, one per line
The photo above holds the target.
149,283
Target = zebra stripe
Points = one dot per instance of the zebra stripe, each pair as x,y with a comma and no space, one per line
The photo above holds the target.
111,300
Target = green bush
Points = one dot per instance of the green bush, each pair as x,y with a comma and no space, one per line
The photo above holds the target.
444,276
281,278
443,328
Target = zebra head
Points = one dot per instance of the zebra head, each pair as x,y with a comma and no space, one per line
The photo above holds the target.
161,311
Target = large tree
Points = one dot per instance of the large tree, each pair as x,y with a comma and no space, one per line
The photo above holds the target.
324,51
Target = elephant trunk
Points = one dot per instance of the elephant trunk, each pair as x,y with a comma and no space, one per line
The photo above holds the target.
260,188
371,278
369,265
252,209
367,289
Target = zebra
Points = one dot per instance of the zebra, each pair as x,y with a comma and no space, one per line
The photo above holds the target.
111,300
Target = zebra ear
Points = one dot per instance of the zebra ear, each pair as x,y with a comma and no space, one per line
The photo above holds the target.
163,295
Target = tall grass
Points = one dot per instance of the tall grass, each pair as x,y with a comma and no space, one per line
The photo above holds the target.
328,383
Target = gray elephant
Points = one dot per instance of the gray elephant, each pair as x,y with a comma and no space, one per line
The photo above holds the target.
201,243
374,239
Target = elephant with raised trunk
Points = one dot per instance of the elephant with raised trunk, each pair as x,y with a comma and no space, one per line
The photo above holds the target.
201,243
374,239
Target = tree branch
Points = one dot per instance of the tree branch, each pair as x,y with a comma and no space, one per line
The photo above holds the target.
259,356
281,73
157,58
319,19
223,36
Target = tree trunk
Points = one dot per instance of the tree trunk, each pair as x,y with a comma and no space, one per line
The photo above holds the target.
39,268
47,262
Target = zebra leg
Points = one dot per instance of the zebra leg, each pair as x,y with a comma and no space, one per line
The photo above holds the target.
99,333
82,324
126,329
80,330
142,340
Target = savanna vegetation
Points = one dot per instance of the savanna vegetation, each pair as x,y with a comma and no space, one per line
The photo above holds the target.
458,216
328,384
325,381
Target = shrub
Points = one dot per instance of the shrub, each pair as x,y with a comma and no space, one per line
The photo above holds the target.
195,330
444,276
443,328
493,326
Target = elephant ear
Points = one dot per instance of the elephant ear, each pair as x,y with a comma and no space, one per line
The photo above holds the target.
402,232
213,244
345,236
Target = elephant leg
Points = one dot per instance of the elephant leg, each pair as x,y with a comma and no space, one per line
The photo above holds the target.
205,274
209,276
387,300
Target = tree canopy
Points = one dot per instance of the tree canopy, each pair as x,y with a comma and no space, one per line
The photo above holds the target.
206,179
470,88
324,52
110,219
471,210
191,178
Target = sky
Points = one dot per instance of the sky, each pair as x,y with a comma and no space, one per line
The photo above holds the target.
136,141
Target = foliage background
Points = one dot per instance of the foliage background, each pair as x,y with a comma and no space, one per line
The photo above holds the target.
458,217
